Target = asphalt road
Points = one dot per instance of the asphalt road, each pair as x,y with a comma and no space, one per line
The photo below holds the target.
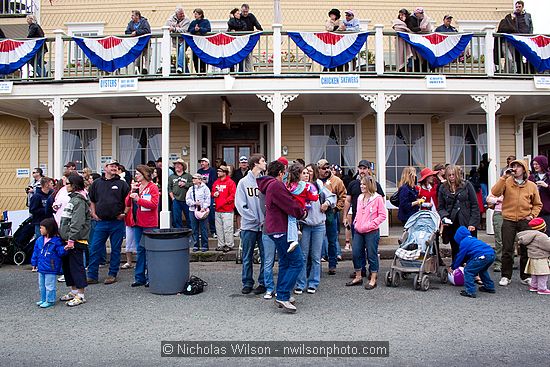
122,326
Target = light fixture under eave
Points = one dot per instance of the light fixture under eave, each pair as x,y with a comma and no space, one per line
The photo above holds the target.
226,112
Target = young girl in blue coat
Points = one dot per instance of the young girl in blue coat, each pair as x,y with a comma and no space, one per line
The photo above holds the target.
48,250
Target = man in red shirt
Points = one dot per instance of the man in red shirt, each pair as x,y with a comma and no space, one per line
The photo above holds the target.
223,192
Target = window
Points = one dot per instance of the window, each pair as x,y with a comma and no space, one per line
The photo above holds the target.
138,146
76,56
405,146
81,146
467,143
335,143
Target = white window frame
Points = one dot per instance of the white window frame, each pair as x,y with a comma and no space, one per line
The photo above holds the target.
148,122
79,28
464,120
332,120
426,121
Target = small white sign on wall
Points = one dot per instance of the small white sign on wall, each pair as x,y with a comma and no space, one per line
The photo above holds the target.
6,87
118,84
23,173
436,82
542,82
340,81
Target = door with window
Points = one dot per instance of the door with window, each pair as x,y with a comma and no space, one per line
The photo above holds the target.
231,151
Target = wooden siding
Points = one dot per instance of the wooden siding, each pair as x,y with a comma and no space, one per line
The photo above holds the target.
43,143
179,136
438,142
368,137
293,136
507,138
106,139
14,154
297,15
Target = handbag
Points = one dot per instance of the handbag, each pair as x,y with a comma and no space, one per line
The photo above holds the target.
394,199
194,285
201,213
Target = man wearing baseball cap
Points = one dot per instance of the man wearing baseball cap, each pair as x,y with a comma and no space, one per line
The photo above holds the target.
353,192
70,166
350,23
446,27
209,175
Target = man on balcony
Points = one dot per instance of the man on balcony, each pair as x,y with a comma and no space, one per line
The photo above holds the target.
179,23
138,26
37,62
446,27
518,22
251,23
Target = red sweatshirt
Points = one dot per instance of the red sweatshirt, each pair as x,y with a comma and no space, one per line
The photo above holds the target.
147,207
308,194
225,202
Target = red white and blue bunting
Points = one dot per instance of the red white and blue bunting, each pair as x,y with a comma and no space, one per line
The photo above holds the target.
112,53
14,54
439,49
222,50
536,49
330,49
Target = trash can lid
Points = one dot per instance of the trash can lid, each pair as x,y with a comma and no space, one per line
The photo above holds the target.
167,233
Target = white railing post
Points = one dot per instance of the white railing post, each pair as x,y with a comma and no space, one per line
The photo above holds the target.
166,51
379,49
489,48
59,55
277,39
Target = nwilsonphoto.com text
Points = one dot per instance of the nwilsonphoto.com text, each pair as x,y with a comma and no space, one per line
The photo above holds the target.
275,349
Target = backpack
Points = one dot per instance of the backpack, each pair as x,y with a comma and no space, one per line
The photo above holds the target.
194,285
394,199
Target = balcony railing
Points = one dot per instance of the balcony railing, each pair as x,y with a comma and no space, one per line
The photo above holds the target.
168,56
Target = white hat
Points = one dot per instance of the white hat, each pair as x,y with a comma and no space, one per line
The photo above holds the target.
205,160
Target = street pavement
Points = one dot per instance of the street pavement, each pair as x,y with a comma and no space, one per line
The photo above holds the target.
124,326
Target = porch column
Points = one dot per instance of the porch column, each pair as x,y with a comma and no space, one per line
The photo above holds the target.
491,104
380,102
277,26
59,55
165,104
58,107
277,102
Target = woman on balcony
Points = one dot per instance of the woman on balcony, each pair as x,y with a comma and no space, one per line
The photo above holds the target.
236,24
200,26
37,62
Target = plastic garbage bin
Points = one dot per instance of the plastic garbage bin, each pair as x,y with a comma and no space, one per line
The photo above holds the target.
167,259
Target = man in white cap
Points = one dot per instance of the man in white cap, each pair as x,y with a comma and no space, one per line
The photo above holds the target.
209,175
350,24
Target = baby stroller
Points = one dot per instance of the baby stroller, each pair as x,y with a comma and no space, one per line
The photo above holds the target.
19,247
418,252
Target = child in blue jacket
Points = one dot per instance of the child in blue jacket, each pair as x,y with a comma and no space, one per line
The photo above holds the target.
48,250
478,257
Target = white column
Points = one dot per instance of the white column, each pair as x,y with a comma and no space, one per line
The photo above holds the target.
194,144
379,48
57,107
489,47
166,51
535,151
165,104
277,38
59,56
491,104
380,103
277,102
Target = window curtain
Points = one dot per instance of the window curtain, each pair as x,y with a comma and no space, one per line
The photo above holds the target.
480,139
155,143
349,153
456,141
129,145
317,144
418,150
390,146
90,148
71,142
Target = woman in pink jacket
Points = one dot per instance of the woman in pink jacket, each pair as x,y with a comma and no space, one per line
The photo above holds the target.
371,212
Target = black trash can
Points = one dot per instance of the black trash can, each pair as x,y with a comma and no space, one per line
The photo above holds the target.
167,259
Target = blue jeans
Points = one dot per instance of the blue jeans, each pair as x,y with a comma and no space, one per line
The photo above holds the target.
292,229
196,226
366,242
177,208
268,261
332,236
478,266
181,57
141,259
248,241
484,192
312,240
290,266
47,286
106,229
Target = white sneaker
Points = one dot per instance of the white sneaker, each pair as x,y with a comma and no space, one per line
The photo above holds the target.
504,281
292,246
179,70
526,281
61,279
237,233
214,236
311,290
268,295
298,291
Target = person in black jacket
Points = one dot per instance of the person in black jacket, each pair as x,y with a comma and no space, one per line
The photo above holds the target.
251,23
35,31
138,26
236,24
457,206
37,204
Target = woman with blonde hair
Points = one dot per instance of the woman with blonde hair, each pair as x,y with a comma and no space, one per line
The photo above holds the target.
457,206
408,195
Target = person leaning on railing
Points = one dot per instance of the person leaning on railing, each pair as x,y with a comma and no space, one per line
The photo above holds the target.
236,24
37,62
179,23
199,26
138,26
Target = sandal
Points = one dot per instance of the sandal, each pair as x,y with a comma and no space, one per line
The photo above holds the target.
354,282
126,266
478,281
76,301
68,297
348,246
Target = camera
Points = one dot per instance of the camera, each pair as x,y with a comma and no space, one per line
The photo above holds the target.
510,171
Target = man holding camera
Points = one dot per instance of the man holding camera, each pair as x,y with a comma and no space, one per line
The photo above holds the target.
37,175
521,203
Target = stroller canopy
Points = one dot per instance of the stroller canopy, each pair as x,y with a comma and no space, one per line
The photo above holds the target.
420,227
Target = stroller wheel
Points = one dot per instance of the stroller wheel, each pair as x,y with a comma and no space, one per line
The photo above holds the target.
416,283
425,285
396,279
19,257
444,276
387,279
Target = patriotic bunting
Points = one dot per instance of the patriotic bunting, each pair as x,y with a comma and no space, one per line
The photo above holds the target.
15,54
330,49
536,49
222,50
439,49
112,53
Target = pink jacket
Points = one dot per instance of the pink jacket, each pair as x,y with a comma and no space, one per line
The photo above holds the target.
370,214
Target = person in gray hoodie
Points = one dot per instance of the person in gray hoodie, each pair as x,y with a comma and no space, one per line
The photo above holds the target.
251,208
